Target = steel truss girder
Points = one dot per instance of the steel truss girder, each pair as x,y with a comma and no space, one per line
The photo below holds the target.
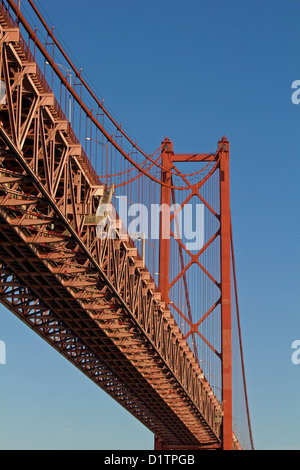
101,281
32,311
143,331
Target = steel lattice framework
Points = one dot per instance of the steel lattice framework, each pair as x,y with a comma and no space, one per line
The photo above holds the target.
91,298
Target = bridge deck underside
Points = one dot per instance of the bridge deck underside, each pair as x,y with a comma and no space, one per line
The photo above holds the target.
59,319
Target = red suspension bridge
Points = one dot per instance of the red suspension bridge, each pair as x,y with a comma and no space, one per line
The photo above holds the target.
146,307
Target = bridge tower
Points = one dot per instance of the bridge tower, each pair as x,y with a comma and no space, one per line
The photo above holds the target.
168,158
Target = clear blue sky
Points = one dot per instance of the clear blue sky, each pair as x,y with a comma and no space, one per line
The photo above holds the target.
190,70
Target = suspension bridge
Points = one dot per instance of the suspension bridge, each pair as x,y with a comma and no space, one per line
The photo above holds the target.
145,306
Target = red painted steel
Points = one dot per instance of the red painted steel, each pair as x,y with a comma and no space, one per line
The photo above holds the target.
225,286
225,230
163,352
164,244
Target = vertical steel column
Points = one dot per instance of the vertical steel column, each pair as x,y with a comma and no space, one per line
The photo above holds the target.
164,229
226,293
164,226
158,444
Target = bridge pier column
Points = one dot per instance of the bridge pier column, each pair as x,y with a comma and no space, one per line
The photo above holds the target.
164,242
225,245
